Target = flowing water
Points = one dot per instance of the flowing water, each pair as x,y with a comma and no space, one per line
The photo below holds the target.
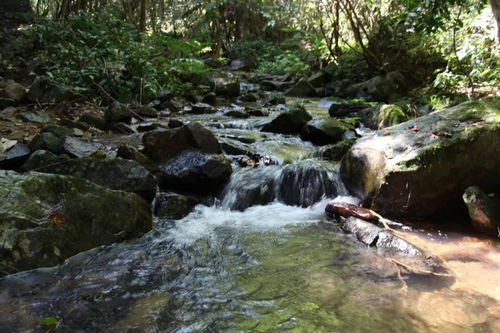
263,258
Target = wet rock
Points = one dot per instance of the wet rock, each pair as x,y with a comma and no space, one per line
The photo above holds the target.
484,211
301,89
163,145
117,113
250,97
46,91
174,123
147,112
324,131
275,85
235,147
113,173
420,167
201,108
147,126
173,205
14,157
131,153
346,108
210,98
289,122
336,151
123,128
93,120
256,112
195,171
237,114
379,88
48,218
276,98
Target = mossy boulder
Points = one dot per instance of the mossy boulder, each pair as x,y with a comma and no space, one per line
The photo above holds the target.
117,113
324,131
421,166
289,122
47,218
113,173
173,205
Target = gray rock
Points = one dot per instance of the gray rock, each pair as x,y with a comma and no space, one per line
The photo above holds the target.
379,88
237,114
163,145
420,167
201,108
324,131
14,157
117,113
173,205
224,84
195,171
47,218
93,120
289,122
301,89
147,112
113,173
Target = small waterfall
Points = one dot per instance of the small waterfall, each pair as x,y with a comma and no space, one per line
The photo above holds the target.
298,184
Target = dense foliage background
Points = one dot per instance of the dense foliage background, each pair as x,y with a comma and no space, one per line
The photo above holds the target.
132,48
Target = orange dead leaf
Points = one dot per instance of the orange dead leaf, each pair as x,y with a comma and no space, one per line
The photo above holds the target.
57,218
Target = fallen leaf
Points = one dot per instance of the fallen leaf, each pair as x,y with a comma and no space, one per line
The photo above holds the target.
57,218
414,129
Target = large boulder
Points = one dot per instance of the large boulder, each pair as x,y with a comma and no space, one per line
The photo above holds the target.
46,91
46,218
117,113
289,122
195,171
301,89
324,131
113,173
163,145
379,88
190,158
419,167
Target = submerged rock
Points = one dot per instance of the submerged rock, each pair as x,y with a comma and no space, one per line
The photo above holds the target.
419,167
484,211
47,218
113,173
289,122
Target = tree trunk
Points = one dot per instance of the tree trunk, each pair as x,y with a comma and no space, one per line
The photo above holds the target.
143,15
495,8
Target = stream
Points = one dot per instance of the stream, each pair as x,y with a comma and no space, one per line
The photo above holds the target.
262,258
